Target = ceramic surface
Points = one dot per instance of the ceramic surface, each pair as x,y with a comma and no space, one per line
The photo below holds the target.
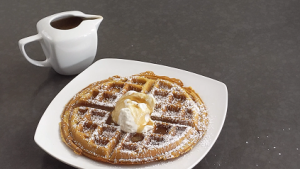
213,93
69,51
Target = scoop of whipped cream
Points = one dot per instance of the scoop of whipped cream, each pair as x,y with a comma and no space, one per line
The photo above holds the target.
132,112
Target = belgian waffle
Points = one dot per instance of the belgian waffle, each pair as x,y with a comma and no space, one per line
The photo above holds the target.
180,120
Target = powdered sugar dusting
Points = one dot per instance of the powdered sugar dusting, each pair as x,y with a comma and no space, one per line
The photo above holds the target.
183,121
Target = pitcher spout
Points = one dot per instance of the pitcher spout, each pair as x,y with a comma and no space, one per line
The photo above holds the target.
98,20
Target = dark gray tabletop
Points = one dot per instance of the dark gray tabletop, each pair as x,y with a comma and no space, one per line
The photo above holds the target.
253,47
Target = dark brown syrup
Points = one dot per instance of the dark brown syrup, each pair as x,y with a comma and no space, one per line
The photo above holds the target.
68,22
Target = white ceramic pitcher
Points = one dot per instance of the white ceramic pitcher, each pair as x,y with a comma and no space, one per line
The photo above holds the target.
69,41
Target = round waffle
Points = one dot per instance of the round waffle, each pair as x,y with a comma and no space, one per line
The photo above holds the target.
180,120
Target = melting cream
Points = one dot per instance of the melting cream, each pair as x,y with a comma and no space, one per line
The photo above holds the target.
132,112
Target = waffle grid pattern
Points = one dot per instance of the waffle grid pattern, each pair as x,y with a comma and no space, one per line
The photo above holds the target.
179,121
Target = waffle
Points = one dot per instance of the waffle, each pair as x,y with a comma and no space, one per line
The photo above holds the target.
180,120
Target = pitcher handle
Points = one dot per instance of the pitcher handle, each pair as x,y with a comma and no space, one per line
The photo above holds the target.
29,39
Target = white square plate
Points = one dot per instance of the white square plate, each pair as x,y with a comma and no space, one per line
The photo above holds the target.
213,93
